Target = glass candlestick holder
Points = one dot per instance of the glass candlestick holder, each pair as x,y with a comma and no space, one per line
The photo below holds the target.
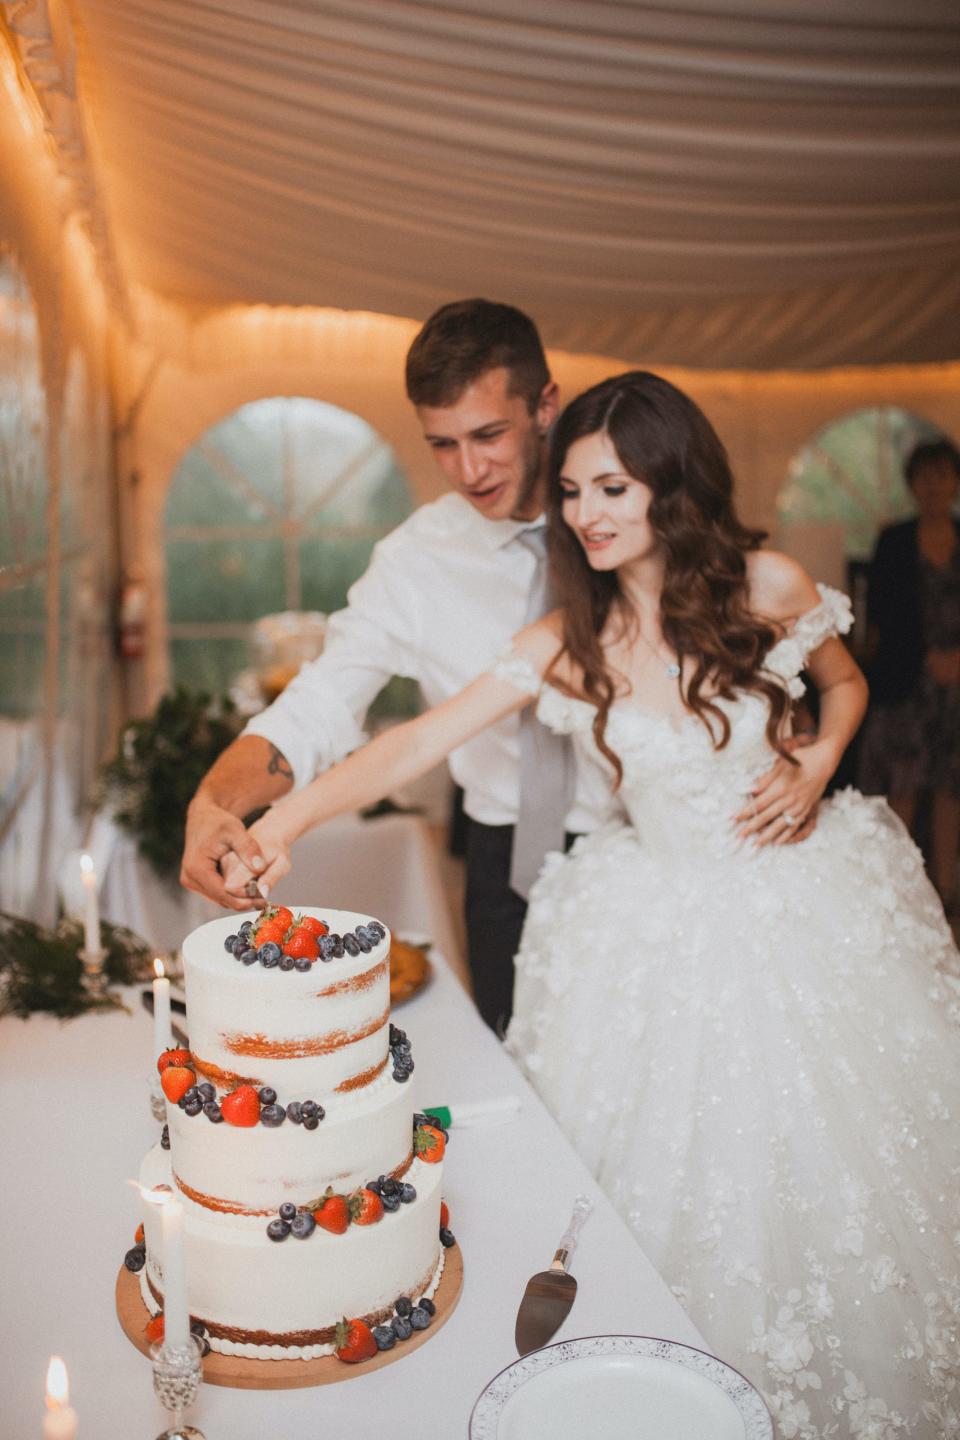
158,1101
176,1379
94,975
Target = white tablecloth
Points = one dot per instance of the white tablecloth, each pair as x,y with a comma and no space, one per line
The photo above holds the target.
73,1127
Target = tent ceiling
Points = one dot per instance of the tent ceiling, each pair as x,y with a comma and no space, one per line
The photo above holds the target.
724,183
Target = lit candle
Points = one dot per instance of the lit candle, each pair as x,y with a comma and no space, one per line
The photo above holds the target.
162,1034
91,912
176,1312
60,1421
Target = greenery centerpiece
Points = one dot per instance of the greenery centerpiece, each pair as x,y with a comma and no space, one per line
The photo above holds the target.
43,970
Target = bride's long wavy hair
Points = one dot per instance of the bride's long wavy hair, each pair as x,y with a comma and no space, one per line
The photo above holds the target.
665,440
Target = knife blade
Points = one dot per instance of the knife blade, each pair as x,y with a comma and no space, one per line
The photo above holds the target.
550,1293
179,1034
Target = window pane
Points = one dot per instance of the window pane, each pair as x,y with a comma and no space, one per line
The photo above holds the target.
218,580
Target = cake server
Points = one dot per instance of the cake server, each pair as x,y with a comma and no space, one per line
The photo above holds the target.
549,1294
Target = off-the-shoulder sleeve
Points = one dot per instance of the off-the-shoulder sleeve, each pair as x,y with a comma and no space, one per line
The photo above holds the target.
517,671
833,616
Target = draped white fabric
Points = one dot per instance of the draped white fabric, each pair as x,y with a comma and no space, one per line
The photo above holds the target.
748,183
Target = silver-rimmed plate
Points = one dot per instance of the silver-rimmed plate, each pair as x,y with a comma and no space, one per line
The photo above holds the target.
632,1387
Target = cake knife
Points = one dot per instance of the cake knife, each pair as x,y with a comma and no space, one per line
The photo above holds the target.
550,1293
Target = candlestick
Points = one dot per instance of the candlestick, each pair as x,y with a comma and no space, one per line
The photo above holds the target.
91,910
176,1312
60,1421
162,1033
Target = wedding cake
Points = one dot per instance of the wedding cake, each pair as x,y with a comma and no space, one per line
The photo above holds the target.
311,1192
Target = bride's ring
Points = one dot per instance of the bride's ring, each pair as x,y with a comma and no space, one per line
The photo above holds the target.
789,819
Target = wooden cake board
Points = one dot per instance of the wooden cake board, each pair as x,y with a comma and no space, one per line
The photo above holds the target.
244,1374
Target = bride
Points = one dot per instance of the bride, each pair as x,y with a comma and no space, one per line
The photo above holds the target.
753,1044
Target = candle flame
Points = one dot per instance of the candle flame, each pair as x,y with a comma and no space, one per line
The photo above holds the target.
58,1388
86,864
158,969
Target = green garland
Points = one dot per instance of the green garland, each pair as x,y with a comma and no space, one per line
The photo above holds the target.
42,969
160,762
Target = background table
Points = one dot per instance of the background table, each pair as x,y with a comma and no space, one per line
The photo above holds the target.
73,1128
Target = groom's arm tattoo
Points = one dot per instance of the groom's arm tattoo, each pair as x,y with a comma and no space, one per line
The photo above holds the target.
278,764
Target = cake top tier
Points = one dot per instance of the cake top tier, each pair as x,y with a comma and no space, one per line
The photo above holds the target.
286,946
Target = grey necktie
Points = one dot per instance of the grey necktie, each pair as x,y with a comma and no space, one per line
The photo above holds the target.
546,759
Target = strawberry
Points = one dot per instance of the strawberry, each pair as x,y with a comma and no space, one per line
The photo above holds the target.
270,930
173,1057
444,1216
283,915
301,943
155,1328
138,1237
176,1081
333,1213
366,1208
313,925
429,1144
353,1340
241,1107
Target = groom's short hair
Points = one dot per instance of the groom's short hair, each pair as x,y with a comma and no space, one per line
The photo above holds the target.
464,340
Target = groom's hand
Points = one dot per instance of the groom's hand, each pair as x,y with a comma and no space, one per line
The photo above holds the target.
212,833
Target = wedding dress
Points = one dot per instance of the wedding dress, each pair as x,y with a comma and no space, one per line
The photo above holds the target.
757,1053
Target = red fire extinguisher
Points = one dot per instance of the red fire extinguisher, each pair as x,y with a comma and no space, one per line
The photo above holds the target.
132,618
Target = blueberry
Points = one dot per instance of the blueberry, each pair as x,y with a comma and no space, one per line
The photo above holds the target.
303,1226
389,1186
269,962
407,1194
248,957
390,1202
206,1091
419,1318
267,1095
193,1107
246,928
428,1305
135,1259
401,1328
230,942
192,1093
213,1112
365,943
310,1122
327,947
294,1112
269,950
197,1327
385,1337
308,1108
447,1237
351,944
165,1138
401,1076
272,1115
403,1306
375,928
278,1229
302,963
287,962
337,946
373,1185
287,1210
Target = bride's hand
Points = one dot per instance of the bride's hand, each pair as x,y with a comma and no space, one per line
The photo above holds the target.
275,851
783,803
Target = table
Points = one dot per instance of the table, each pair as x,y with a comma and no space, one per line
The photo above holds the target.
73,1128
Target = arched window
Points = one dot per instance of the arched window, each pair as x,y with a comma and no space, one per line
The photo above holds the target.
847,481
277,507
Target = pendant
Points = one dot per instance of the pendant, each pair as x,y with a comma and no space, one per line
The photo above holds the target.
673,671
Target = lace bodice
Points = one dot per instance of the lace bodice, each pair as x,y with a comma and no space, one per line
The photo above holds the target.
679,791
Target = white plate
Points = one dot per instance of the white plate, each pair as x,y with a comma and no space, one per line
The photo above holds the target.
620,1387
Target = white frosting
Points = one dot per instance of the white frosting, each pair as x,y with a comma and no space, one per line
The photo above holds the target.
228,1002
237,1277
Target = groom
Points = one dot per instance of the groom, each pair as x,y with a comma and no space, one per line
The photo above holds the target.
442,596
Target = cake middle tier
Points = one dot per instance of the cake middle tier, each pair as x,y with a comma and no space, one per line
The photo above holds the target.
363,1134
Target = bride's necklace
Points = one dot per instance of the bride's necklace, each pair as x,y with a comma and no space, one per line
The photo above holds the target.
671,667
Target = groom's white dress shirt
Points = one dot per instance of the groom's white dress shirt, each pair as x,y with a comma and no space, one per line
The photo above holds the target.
442,597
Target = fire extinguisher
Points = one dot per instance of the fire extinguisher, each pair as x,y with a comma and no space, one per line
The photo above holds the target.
132,618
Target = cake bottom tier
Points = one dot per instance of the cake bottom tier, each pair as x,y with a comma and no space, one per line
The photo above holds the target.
268,1299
